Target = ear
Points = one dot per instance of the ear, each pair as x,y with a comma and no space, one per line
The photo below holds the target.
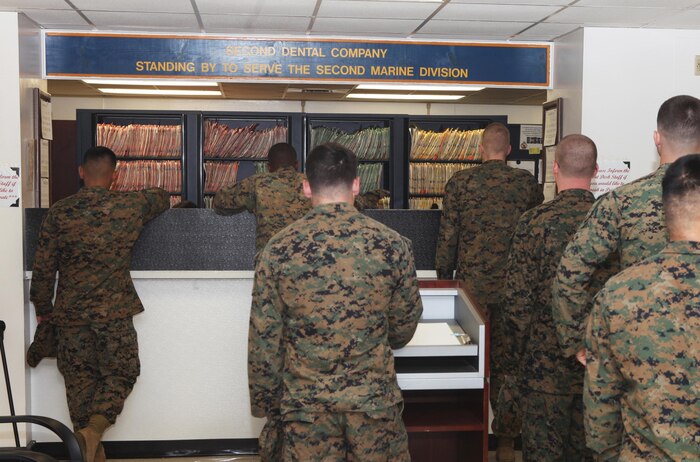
555,168
81,172
657,138
356,186
508,150
307,188
595,172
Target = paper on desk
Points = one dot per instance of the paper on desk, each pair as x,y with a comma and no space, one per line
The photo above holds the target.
434,333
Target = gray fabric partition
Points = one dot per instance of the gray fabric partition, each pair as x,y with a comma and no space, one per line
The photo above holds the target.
199,239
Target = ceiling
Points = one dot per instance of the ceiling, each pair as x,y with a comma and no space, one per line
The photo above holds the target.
463,20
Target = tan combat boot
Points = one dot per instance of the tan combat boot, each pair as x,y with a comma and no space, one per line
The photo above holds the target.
92,435
505,451
100,455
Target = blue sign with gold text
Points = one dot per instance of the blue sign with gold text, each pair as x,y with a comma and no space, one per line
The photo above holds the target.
304,60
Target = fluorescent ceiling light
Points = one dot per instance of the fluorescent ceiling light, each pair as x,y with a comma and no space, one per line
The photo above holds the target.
404,97
158,83
422,87
145,91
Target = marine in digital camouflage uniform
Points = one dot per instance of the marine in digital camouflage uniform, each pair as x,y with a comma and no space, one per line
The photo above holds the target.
550,384
480,210
628,221
88,238
334,292
275,198
642,388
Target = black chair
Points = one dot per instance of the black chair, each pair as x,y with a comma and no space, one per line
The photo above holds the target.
29,455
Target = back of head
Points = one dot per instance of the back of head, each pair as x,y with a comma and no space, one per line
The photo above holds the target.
98,165
678,121
681,198
576,156
495,141
330,166
281,155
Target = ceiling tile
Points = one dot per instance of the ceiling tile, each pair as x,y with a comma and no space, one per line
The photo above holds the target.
381,9
55,17
16,5
266,7
469,12
106,20
672,4
546,31
485,28
516,2
223,22
689,19
377,27
605,16
153,6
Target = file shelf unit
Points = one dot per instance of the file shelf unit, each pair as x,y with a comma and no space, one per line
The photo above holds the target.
227,145
152,147
438,147
444,382
378,141
235,145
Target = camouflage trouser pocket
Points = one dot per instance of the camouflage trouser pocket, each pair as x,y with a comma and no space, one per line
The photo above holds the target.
270,440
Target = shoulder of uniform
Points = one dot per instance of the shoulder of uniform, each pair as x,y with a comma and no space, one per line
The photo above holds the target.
637,185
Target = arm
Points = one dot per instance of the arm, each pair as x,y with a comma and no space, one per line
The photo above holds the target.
603,387
45,267
448,235
235,198
265,355
597,238
522,276
405,307
157,202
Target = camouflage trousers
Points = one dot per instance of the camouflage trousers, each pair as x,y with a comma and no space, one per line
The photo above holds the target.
377,436
100,364
504,392
553,428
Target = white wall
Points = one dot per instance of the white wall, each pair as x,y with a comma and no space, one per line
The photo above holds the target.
568,80
627,74
12,305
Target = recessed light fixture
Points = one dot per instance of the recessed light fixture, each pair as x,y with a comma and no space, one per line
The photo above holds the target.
413,87
155,82
145,91
398,96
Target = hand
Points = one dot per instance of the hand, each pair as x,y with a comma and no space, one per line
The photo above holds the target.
581,356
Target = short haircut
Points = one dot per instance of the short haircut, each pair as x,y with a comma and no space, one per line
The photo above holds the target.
282,155
681,190
99,161
331,165
496,138
679,120
576,156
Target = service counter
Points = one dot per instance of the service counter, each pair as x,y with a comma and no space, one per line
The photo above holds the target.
193,271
